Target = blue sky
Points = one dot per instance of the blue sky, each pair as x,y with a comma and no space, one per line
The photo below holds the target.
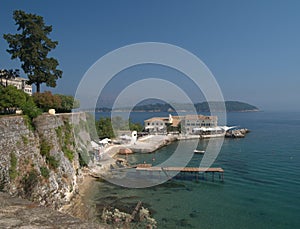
251,47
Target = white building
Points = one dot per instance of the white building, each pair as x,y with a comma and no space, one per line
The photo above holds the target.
197,124
19,83
156,124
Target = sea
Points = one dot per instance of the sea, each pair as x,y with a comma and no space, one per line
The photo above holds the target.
261,187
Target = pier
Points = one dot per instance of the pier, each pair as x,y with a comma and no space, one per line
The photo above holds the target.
183,170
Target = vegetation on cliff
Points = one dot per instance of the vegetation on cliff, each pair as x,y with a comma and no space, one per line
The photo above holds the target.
42,163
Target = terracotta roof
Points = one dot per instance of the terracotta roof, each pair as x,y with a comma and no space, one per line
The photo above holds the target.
164,119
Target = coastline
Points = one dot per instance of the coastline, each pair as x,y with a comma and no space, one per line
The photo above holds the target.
80,205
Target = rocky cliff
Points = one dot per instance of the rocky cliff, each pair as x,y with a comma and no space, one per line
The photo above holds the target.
40,160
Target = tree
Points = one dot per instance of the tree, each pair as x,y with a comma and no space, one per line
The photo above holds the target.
135,126
47,100
32,46
104,128
68,103
11,99
61,103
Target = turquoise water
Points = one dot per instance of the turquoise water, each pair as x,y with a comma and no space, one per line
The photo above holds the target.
261,187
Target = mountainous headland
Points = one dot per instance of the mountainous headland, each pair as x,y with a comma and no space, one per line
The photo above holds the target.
231,106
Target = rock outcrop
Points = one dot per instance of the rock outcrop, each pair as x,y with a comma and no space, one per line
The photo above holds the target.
40,159
20,213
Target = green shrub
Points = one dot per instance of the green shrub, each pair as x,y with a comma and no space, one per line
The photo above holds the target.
44,148
68,153
30,109
29,123
13,166
29,182
45,172
45,151
58,131
24,139
83,158
3,181
52,162
66,140
61,103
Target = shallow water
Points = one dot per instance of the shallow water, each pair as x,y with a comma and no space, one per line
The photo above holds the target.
261,187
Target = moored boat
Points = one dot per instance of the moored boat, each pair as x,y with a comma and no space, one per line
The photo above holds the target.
199,151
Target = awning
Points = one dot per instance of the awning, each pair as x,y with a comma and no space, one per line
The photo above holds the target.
149,127
208,128
226,128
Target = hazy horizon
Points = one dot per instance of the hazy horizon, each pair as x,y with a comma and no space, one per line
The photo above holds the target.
251,47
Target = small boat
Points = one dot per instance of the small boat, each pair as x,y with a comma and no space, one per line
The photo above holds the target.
199,151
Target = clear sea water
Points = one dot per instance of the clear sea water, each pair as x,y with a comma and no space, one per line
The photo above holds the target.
261,187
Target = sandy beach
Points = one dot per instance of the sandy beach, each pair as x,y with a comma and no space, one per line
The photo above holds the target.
81,205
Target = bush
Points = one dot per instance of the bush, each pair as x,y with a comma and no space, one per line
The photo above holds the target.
30,109
13,166
67,103
45,151
47,100
3,181
12,99
45,172
52,162
30,181
68,153
44,148
104,128
83,158
61,103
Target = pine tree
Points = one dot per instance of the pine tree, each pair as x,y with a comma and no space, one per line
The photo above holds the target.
32,46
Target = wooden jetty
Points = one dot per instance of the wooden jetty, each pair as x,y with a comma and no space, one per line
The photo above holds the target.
193,170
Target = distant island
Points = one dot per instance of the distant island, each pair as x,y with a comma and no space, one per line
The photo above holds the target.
231,106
